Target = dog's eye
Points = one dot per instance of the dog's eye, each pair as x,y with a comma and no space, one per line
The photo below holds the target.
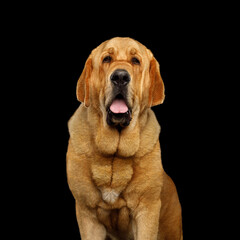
107,59
135,61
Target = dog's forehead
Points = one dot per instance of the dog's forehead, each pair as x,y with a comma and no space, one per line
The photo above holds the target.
122,46
122,43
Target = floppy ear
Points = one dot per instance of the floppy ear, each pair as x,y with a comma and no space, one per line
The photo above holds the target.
156,91
83,83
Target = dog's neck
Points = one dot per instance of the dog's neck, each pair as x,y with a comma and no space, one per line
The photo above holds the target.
137,139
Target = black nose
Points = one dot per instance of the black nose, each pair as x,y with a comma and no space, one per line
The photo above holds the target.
120,77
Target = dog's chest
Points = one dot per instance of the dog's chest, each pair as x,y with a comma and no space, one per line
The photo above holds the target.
111,176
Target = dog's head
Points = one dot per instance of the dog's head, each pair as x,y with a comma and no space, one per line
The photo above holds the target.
121,78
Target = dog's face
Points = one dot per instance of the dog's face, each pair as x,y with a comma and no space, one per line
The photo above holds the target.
120,79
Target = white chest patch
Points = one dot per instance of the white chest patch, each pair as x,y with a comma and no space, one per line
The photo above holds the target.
109,195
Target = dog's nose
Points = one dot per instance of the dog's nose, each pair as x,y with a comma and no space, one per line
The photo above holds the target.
120,77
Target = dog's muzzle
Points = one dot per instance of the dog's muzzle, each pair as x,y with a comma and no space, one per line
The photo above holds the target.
118,111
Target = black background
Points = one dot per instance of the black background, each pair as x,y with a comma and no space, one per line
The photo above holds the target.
55,44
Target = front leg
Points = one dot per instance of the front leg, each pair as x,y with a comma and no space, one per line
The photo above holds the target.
89,226
146,221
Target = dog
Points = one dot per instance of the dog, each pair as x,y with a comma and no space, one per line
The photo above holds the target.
114,167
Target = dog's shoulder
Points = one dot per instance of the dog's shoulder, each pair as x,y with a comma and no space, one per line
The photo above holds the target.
149,133
79,131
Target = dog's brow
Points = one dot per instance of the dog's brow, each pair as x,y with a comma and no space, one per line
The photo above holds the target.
111,50
133,51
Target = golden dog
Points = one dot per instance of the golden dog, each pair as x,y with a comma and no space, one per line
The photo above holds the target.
114,166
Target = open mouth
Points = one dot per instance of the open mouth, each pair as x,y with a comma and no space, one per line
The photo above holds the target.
118,112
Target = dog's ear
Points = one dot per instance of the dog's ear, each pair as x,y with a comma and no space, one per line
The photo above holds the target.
156,90
83,83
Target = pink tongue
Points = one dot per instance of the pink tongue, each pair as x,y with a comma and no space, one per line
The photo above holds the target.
118,106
